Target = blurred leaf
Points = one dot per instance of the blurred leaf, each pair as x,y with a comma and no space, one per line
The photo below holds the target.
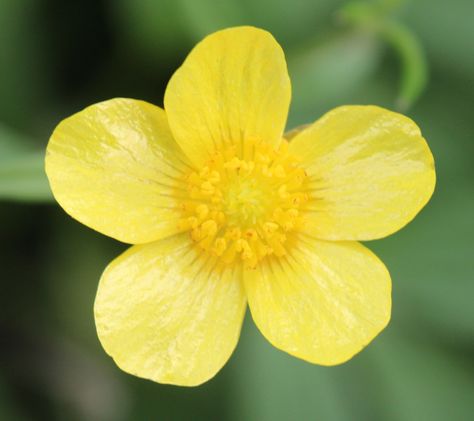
22,175
414,68
432,259
156,29
397,377
162,28
325,73
74,261
206,16
272,386
376,18
423,380
292,23
432,267
8,410
446,29
68,378
24,76
305,18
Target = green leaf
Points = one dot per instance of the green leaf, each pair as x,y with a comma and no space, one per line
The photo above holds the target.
8,408
25,72
432,259
423,380
325,73
159,29
447,31
22,175
397,377
276,16
376,17
154,30
414,68
273,386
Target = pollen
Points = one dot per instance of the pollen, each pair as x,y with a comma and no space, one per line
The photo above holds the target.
245,206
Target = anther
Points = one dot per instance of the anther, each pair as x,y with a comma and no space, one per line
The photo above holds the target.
243,206
207,188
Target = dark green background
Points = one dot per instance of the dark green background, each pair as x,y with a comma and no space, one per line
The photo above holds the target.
57,57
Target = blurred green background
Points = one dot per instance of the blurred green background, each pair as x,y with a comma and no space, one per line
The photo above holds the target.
57,57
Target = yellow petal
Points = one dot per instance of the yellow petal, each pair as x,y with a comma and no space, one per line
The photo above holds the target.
233,87
115,167
323,302
165,315
371,172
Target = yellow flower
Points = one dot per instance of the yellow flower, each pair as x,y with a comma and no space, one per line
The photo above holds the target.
224,210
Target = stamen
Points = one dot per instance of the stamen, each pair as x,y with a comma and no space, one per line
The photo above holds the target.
245,208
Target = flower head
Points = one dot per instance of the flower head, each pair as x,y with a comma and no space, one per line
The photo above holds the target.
224,211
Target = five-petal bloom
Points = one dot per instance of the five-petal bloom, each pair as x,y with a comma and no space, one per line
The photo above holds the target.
224,210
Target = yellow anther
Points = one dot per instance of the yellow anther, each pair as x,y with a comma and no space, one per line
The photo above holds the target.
288,225
205,243
219,246
183,224
229,153
202,211
247,252
262,158
233,233
230,254
261,250
220,217
204,172
194,178
279,216
214,177
276,245
238,245
292,213
282,191
207,188
233,164
194,192
249,167
296,200
242,206
270,227
196,234
283,148
187,223
287,219
252,262
297,178
251,234
193,221
209,228
266,171
279,171
187,206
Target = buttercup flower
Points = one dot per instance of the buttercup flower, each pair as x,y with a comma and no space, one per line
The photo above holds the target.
224,210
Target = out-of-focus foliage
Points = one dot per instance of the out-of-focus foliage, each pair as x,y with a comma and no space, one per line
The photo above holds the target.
22,174
376,17
57,57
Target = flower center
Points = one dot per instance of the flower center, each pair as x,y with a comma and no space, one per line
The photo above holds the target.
246,200
245,208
